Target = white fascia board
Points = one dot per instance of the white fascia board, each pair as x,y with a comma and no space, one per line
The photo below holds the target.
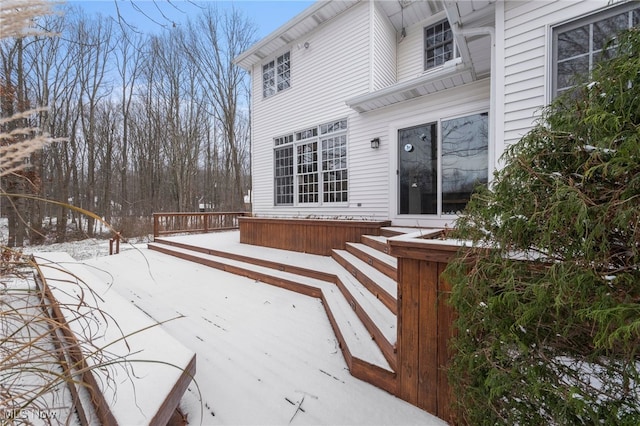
405,89
262,48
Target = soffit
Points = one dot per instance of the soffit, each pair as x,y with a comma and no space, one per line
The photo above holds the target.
429,83
474,47
295,29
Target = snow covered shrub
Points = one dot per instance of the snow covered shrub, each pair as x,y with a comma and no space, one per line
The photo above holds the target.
549,301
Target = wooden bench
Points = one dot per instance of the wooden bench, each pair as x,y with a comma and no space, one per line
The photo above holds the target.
126,368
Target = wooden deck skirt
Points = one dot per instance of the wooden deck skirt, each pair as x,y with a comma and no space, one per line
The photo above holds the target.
315,236
425,324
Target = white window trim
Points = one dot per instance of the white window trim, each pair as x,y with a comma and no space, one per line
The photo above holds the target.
553,29
456,53
275,188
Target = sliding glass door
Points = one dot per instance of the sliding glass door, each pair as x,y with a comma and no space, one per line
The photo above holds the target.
440,163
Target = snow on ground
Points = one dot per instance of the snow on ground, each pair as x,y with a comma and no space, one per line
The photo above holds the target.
265,355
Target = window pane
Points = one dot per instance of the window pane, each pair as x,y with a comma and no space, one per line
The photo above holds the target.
438,44
580,49
465,159
283,72
569,72
268,79
605,30
307,172
335,186
418,174
574,42
334,162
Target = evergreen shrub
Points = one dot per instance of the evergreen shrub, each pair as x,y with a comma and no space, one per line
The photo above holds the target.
548,298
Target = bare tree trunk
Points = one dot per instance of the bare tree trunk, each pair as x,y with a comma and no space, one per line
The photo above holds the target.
13,101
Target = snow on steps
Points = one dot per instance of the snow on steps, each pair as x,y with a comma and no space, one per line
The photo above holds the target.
384,263
382,327
378,283
378,319
366,360
136,380
377,242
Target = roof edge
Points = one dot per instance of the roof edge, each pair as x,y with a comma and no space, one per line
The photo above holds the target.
293,22
455,67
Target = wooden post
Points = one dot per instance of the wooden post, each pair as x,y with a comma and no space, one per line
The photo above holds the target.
425,323
155,225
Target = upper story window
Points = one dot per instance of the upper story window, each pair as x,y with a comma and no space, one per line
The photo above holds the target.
439,46
579,46
276,75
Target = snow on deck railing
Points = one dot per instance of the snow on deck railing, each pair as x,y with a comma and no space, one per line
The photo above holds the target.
194,222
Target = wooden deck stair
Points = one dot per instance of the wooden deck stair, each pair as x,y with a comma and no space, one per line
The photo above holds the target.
355,286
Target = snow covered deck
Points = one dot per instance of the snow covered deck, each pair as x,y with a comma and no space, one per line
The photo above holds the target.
265,355
361,312
118,352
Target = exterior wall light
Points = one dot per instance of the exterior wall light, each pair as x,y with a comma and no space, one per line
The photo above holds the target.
375,143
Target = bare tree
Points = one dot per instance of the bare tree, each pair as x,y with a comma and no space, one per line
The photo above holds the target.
129,60
214,40
94,49
151,123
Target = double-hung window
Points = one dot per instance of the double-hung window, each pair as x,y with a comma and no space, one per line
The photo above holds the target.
439,45
333,140
310,166
578,46
276,75
283,157
307,178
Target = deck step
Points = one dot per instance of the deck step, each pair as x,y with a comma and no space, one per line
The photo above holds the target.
376,317
384,263
378,283
105,335
315,265
364,357
377,242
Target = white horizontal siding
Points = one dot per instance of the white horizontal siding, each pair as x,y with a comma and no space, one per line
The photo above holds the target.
411,49
384,50
372,172
334,67
526,57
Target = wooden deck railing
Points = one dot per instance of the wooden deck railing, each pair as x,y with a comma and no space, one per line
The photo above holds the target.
316,236
194,222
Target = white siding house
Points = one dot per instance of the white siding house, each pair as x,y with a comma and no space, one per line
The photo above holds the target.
395,109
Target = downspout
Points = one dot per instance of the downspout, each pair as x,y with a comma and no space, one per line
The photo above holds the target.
490,31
